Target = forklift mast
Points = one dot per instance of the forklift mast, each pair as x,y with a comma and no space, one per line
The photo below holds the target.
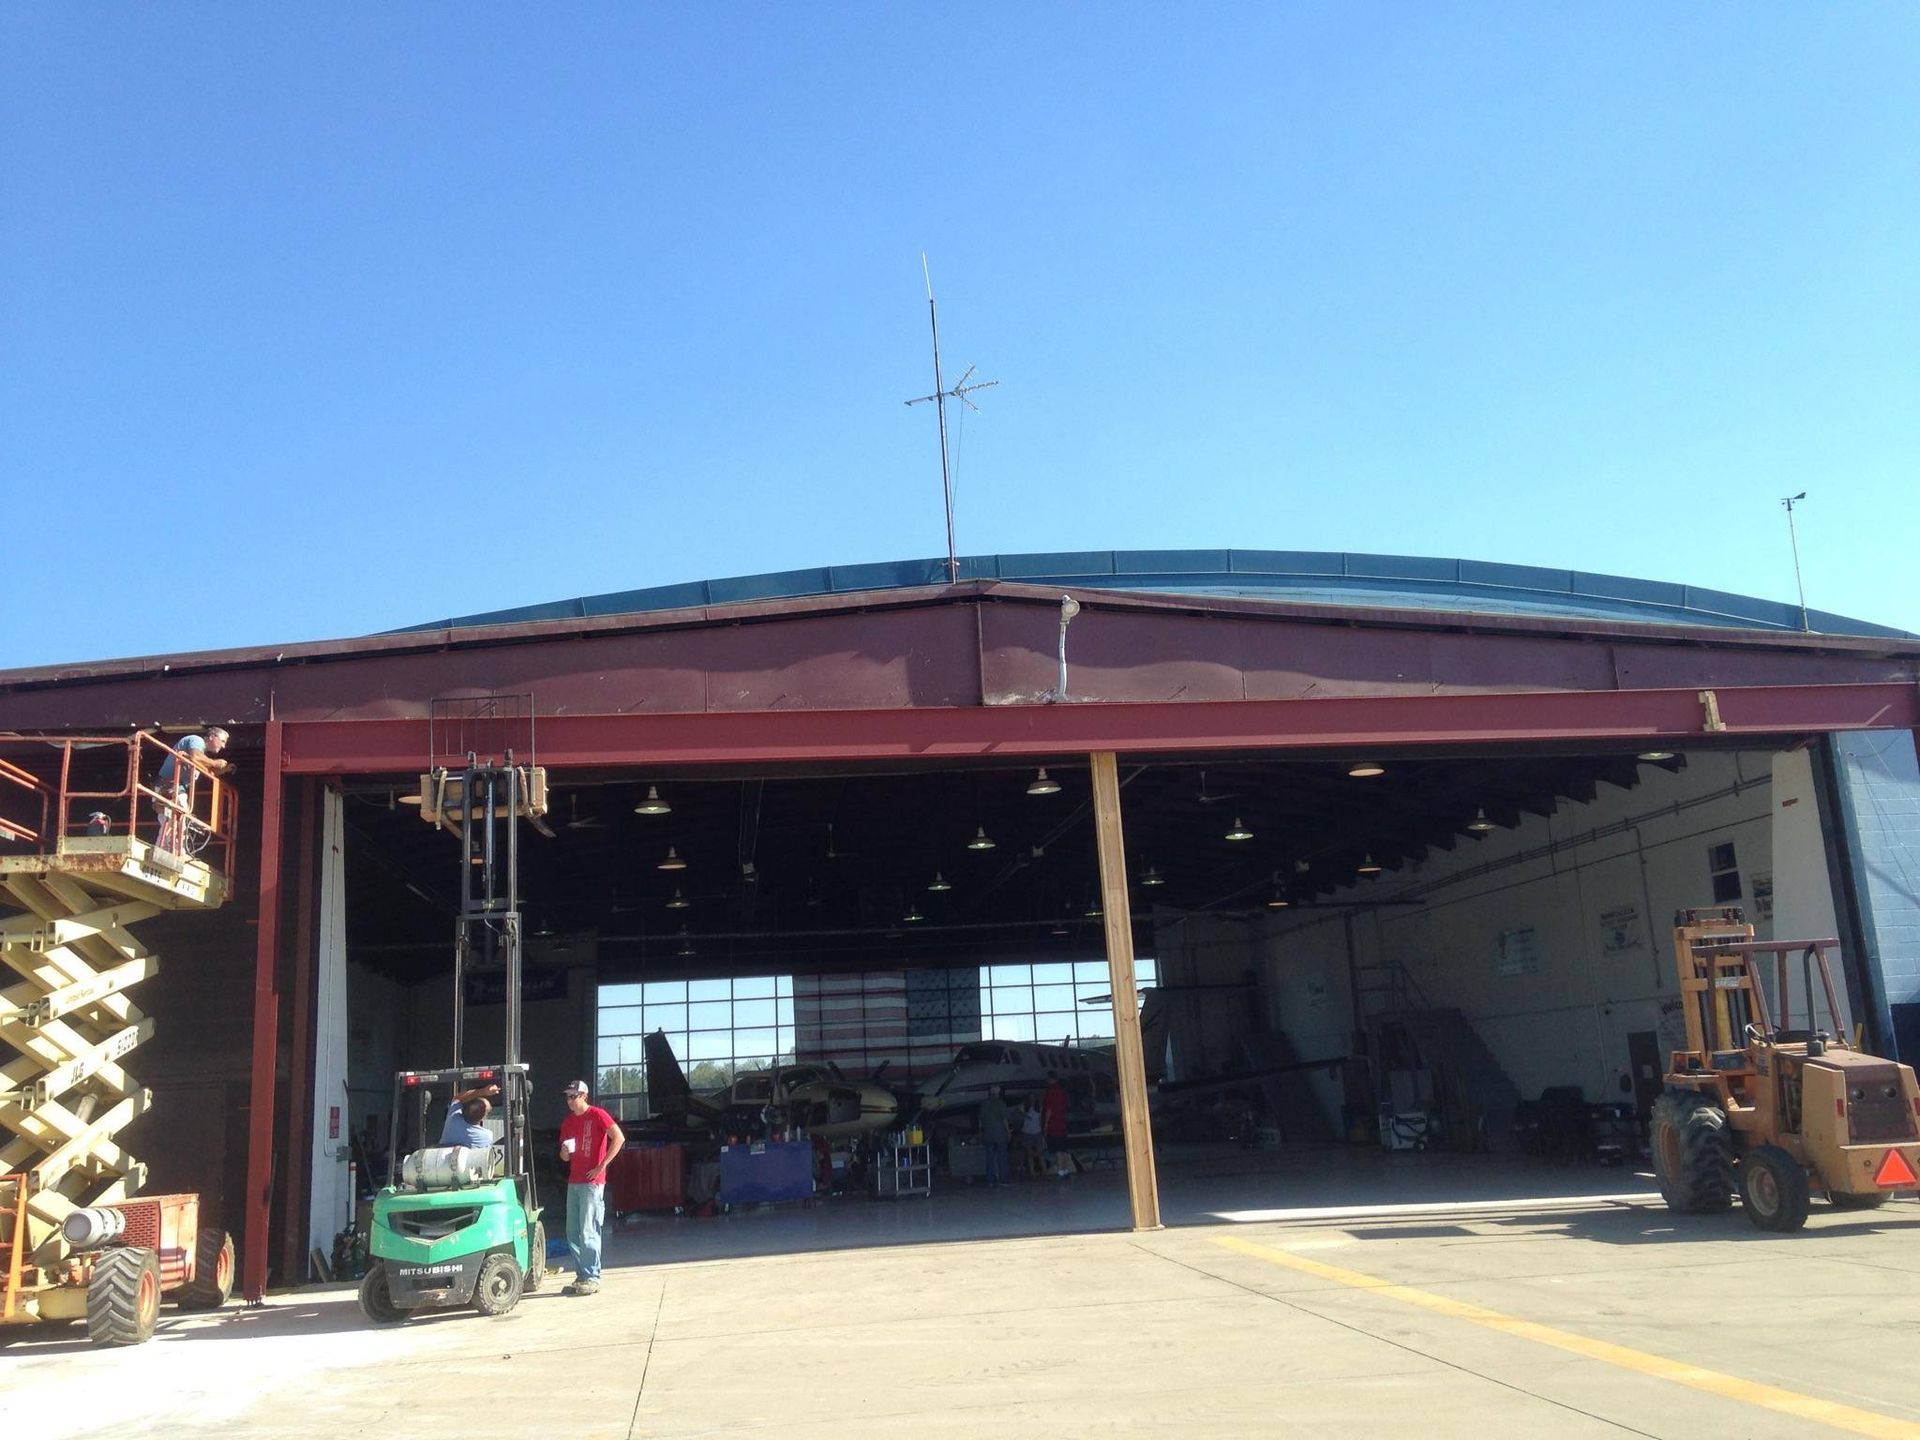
490,800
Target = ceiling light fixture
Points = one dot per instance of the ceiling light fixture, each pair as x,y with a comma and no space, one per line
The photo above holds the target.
1239,830
1043,784
1058,930
1153,877
1366,769
679,900
673,860
913,915
653,804
1278,902
981,840
1093,911
1369,866
686,942
1480,825
1644,755
940,883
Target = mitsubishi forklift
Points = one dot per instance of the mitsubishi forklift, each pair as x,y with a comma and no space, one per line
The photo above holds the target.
459,1225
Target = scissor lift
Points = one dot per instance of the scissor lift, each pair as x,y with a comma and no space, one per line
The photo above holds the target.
88,849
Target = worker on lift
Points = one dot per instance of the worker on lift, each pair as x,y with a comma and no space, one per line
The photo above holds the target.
467,1119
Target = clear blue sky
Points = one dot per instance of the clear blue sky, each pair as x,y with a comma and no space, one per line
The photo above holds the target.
295,300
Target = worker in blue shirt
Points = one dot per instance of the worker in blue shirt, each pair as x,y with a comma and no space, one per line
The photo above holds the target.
173,787
466,1119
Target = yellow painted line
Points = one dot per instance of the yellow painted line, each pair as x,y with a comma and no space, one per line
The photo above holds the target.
1730,1387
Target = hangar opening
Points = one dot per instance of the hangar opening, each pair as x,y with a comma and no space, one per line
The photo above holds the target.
1363,978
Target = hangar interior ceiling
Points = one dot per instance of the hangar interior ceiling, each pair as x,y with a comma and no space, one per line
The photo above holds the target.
805,869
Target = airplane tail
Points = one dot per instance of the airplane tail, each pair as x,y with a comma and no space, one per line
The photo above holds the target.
668,1094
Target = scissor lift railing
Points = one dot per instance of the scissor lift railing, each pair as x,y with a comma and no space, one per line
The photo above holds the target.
89,847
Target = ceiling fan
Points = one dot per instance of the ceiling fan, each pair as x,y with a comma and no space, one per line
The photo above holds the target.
1206,797
576,821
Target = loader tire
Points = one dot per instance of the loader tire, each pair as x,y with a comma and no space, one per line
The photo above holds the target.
1692,1153
212,1282
1773,1188
123,1297
1840,1200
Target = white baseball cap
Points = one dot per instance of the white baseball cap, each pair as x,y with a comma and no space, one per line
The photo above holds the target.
575,1087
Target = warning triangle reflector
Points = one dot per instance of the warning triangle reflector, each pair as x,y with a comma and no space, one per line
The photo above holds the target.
1895,1172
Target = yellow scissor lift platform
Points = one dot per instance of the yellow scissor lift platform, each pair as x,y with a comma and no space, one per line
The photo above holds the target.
91,844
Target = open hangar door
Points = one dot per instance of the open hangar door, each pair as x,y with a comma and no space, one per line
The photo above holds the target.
1445,935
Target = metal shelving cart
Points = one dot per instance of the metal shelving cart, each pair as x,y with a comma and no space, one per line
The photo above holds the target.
903,1170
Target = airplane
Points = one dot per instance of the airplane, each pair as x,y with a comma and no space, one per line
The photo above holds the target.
817,1098
1020,1069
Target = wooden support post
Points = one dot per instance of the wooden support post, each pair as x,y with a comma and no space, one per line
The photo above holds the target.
266,1030
1142,1184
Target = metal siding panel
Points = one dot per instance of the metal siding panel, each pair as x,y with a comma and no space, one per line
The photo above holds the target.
1402,567
1063,563
1287,562
1516,577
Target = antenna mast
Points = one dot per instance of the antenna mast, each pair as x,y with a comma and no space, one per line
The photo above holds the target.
939,397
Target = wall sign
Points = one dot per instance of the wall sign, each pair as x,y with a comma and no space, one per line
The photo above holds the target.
1516,952
1620,930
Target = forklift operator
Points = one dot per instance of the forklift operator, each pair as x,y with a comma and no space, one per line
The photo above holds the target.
466,1119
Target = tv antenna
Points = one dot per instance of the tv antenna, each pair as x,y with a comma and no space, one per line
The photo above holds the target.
939,397
1795,539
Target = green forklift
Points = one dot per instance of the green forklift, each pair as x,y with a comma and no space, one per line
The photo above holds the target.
459,1225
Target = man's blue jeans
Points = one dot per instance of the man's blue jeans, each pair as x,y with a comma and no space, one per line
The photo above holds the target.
586,1213
996,1162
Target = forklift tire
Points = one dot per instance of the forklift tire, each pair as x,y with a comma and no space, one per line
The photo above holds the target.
1773,1188
498,1289
536,1257
376,1298
1840,1200
212,1282
123,1297
1692,1153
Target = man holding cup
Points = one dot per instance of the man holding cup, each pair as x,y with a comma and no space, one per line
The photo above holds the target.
589,1139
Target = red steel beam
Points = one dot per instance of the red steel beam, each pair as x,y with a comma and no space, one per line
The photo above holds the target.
345,747
266,1027
299,1131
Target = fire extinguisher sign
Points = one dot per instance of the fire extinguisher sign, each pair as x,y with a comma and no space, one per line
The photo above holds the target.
333,1122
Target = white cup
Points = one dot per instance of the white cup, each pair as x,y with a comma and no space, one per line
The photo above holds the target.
566,1148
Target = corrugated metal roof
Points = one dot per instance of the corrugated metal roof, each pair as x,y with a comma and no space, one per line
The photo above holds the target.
1328,577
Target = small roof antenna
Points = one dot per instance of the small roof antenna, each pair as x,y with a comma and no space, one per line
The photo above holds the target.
1794,538
939,397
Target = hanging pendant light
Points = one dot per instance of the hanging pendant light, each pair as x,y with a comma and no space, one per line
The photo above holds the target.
913,915
1366,769
1480,825
1093,910
981,840
1043,784
939,883
679,900
1153,877
1278,901
653,804
1239,830
686,942
1369,866
1655,755
673,860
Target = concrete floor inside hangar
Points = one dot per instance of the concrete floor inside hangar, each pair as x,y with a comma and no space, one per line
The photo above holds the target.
1299,1293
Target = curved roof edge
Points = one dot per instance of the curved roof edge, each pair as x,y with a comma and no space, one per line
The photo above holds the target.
1298,576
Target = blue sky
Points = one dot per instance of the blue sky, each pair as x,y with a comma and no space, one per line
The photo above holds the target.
295,301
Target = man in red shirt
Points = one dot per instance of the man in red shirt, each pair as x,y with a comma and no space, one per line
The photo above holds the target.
1053,1116
589,1139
